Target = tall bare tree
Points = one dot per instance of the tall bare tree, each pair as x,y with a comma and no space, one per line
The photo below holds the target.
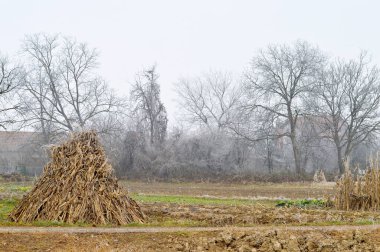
347,100
64,92
149,108
11,76
278,79
209,100
258,127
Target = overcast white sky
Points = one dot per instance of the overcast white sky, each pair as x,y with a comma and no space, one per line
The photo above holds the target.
188,37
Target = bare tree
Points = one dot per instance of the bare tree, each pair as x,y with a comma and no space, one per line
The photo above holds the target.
64,92
278,79
347,101
132,144
11,77
209,99
149,108
257,127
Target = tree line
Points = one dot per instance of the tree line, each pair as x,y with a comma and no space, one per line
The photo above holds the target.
293,109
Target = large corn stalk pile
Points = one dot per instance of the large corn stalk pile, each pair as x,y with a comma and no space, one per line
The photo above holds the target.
78,185
360,192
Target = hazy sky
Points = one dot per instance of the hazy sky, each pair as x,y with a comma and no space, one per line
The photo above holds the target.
186,38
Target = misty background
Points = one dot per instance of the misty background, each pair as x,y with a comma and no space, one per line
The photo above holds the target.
187,38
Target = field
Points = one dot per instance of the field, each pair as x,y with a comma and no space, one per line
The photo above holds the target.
203,216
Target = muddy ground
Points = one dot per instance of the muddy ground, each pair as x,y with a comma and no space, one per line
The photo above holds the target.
270,229
228,240
224,215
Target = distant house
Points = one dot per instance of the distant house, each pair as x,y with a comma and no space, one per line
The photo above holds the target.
22,152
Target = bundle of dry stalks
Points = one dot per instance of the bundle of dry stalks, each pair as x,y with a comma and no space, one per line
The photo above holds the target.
78,185
359,192
319,176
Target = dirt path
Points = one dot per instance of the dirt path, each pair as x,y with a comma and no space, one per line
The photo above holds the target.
147,239
104,230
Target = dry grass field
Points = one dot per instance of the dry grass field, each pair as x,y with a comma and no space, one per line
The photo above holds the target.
253,190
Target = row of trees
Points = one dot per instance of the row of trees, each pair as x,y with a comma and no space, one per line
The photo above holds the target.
286,88
55,89
291,95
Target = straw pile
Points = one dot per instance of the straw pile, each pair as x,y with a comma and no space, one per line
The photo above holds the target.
78,185
319,176
356,192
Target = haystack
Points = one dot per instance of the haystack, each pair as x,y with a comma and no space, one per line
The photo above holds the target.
78,185
319,176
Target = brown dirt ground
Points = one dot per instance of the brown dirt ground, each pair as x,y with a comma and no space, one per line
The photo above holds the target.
225,215
262,239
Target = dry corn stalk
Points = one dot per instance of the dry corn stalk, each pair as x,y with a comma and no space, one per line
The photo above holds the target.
359,192
78,185
319,176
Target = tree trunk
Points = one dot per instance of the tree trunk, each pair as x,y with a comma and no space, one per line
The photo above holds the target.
296,150
151,133
293,138
297,157
269,158
340,161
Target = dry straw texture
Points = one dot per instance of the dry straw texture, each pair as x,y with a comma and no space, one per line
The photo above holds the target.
359,192
78,185
319,176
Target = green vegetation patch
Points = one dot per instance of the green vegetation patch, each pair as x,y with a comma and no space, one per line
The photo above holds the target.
192,200
168,223
303,203
15,188
6,206
20,188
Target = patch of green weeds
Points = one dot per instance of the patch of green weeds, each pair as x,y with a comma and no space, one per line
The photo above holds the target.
6,206
20,189
168,223
193,200
303,203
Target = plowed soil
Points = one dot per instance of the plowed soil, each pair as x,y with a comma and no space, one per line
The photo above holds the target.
224,215
234,239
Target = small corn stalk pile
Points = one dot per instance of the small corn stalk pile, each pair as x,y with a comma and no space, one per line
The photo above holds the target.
356,192
319,176
78,185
